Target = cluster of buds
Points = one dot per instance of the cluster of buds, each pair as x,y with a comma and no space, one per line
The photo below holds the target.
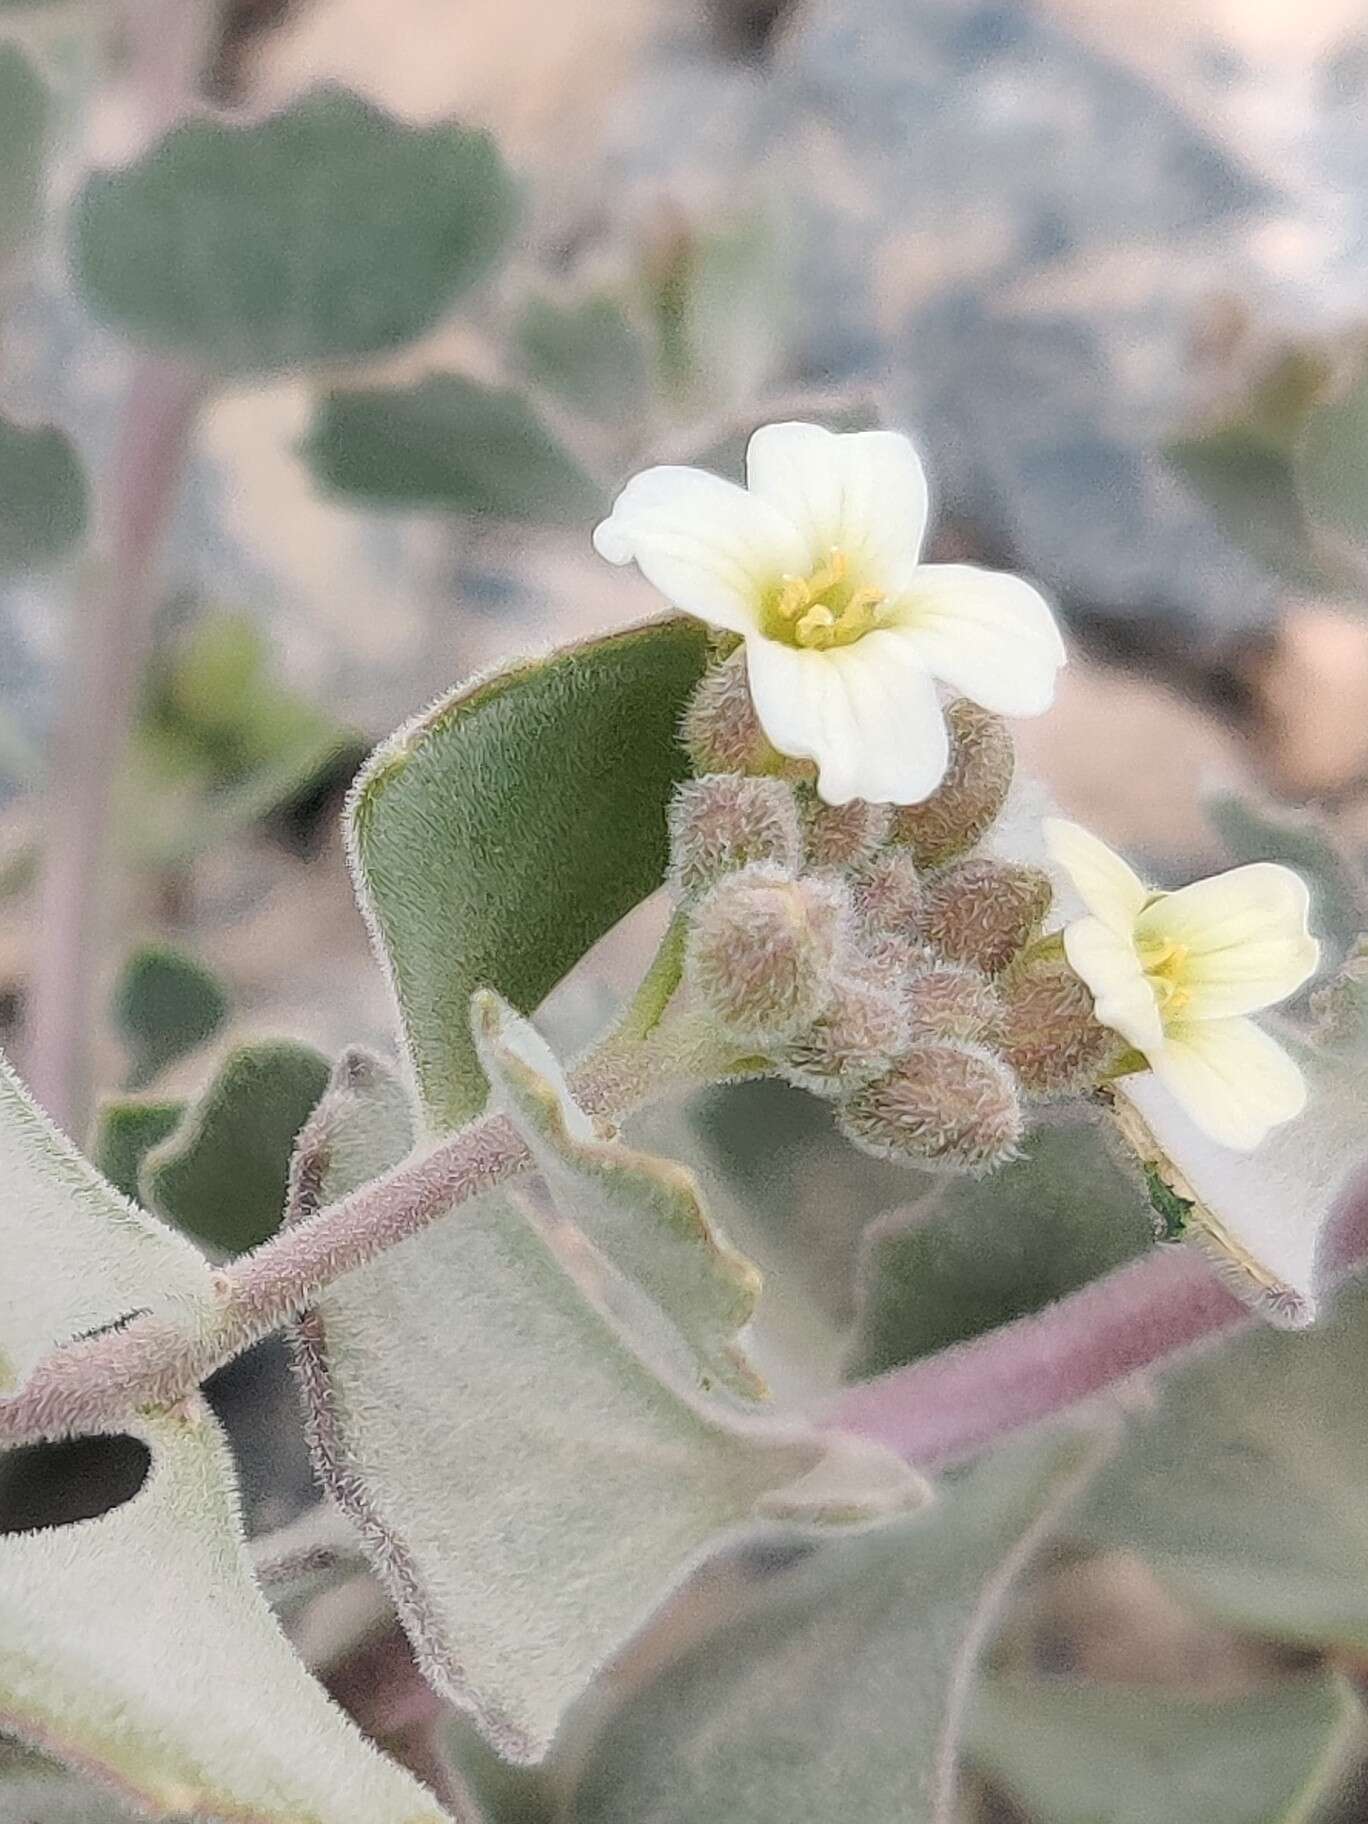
874,955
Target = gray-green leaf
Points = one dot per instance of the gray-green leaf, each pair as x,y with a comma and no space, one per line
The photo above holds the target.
23,136
326,232
166,1005
450,443
43,504
589,353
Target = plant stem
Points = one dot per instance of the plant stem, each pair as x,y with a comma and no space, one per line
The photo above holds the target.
110,636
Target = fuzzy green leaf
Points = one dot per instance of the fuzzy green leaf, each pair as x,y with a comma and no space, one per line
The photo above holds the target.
495,839
138,1643
166,1005
126,1130
1250,487
450,443
323,233
78,1257
494,1417
589,353
24,107
982,1252
838,1692
1332,464
43,503
1244,1490
222,1175
1095,1754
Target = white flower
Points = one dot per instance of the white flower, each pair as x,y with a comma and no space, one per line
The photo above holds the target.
815,564
1177,973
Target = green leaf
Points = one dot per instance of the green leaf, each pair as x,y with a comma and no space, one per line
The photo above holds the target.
981,1252
495,839
1332,463
166,1005
24,107
223,1174
450,443
589,353
1244,1491
42,495
326,232
494,1417
1250,486
126,1130
1255,829
839,1691
1095,1754
644,1215
138,1644
78,1257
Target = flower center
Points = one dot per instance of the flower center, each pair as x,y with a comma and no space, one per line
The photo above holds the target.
1164,968
821,610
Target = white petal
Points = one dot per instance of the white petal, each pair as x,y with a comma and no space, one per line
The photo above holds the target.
867,713
708,546
1108,886
1232,1079
987,634
863,492
1245,934
1123,998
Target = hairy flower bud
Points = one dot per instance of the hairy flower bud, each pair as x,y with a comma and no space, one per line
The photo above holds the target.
1048,1033
950,1106
724,822
861,1032
888,895
966,802
842,835
763,951
951,1001
985,912
722,732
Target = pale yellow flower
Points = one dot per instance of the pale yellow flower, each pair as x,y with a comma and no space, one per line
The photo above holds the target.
816,564
1177,974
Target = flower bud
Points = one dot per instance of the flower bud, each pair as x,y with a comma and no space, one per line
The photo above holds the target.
985,912
763,951
722,732
724,822
1048,1033
861,1032
842,835
951,1001
888,896
948,1106
966,802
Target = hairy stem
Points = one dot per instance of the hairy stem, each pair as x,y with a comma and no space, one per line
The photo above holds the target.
110,634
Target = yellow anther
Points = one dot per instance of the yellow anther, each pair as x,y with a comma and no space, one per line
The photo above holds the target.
832,572
1164,971
794,595
815,627
858,615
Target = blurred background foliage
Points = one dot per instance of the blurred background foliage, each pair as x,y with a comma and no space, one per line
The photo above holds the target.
450,276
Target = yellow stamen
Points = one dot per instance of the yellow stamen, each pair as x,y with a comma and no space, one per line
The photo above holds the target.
815,625
832,572
1164,970
793,597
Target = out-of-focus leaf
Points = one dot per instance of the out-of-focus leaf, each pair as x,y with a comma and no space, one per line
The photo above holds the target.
643,1214
1254,829
77,1256
495,839
450,443
126,1130
42,493
221,742
1244,1490
494,1418
1250,486
327,231
138,1643
166,1005
589,353
1332,464
981,1252
840,1691
23,139
720,301
1094,1754
222,1175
